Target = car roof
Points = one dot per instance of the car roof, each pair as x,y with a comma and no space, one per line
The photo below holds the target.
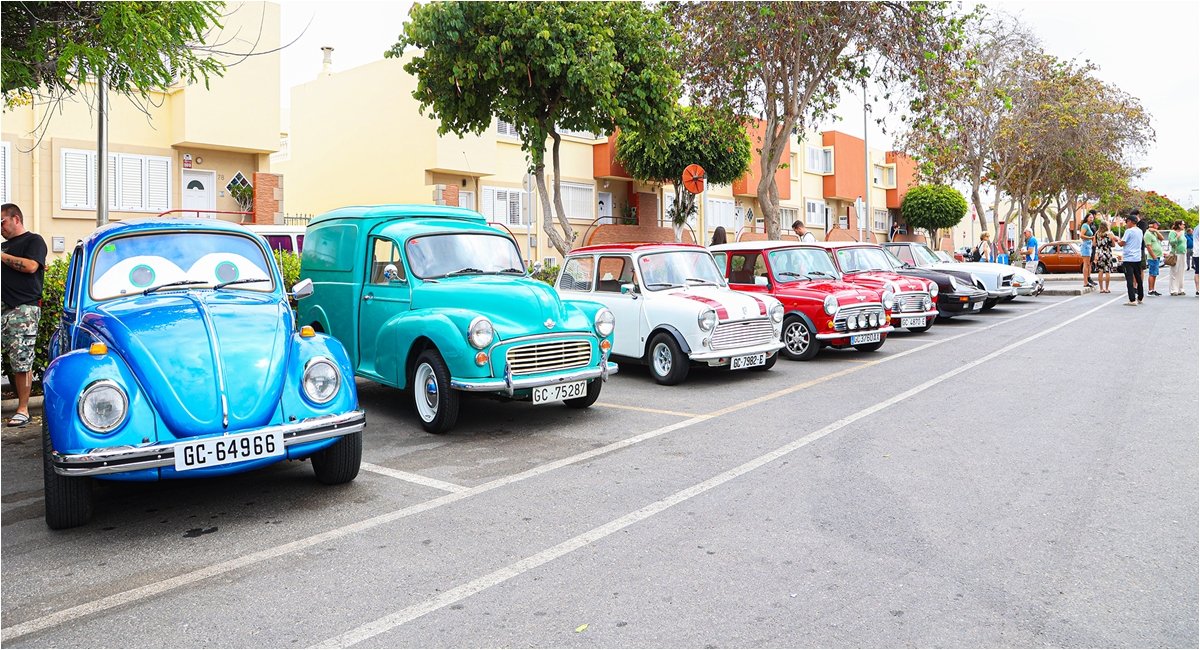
845,244
630,247
400,211
761,245
145,224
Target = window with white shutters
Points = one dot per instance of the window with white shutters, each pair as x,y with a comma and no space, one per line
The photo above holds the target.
6,170
819,160
136,183
815,213
503,205
721,212
506,129
587,135
579,201
881,219
787,217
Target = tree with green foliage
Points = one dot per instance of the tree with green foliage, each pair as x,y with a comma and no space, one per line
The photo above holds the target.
933,207
52,49
701,137
543,67
787,63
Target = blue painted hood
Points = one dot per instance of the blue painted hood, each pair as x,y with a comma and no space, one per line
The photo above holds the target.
517,306
178,345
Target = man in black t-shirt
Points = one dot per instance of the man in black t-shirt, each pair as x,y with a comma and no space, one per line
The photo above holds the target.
24,265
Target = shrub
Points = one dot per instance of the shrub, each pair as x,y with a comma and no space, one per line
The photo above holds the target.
933,207
53,288
547,274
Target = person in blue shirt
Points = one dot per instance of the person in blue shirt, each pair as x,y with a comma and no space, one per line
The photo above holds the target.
1031,246
1131,253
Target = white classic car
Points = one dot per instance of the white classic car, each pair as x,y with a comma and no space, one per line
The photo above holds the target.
673,308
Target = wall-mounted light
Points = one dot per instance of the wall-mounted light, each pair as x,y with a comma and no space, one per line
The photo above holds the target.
199,160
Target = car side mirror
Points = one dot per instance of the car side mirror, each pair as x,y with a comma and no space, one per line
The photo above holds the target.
761,281
302,289
629,289
391,273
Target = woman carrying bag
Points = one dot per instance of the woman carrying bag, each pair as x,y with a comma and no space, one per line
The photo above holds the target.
1105,261
1176,249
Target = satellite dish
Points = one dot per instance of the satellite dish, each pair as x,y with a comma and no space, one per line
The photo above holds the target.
693,178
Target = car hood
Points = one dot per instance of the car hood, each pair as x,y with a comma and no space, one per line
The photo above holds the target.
180,346
845,292
883,278
729,304
517,306
989,272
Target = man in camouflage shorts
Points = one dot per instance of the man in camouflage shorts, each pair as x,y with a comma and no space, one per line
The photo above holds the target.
24,266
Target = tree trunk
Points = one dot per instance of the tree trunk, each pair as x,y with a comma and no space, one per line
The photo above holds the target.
556,239
977,201
568,233
774,136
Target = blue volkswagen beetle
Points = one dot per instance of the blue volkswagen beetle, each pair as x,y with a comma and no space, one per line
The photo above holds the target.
178,356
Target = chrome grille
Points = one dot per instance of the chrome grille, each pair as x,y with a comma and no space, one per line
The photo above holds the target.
1006,281
741,333
547,357
912,301
839,320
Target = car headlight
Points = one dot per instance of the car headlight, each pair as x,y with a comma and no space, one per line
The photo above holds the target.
777,313
933,289
605,322
481,333
928,302
889,299
321,380
103,405
707,320
831,305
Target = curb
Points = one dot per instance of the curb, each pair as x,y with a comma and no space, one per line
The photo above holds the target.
1066,291
10,405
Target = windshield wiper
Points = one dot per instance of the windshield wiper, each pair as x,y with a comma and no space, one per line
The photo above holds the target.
701,281
793,274
511,270
465,271
820,274
177,283
242,281
661,284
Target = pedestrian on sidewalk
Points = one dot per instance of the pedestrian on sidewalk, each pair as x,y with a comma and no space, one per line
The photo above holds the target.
983,251
1105,260
24,259
1177,247
801,231
1154,250
1196,259
1087,235
1131,251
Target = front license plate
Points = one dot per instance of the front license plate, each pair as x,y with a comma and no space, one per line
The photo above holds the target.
559,392
914,321
211,452
864,338
748,361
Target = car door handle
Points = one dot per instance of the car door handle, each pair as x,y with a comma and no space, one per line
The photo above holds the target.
368,297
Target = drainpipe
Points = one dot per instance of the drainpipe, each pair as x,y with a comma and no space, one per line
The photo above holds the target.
867,156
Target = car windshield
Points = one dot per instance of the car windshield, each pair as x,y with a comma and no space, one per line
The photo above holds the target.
439,256
678,269
156,261
896,262
862,258
791,264
923,255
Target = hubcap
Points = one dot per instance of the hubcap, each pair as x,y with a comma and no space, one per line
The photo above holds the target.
662,360
796,338
425,392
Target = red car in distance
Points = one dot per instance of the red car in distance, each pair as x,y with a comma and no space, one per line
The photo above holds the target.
819,309
867,265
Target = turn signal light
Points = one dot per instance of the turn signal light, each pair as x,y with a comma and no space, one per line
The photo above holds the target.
963,299
307,332
605,345
481,358
98,349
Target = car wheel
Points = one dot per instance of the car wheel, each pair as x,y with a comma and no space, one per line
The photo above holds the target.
869,347
68,498
1041,269
769,364
339,462
436,402
799,344
989,303
593,393
668,364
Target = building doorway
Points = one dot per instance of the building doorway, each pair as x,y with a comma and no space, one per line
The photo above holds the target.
199,192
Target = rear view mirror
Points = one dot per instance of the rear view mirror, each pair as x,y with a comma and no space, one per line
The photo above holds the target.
761,280
390,273
629,288
302,289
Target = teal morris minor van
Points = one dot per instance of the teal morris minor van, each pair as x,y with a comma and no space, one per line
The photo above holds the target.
433,298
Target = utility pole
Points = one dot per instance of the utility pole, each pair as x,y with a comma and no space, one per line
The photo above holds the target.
866,156
102,151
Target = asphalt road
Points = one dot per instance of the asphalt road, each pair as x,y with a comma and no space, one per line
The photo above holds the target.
1021,478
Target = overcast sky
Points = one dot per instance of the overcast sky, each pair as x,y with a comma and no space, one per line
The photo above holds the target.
1149,49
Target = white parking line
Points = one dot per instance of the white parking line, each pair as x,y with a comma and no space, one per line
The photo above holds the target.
124,598
644,409
391,621
412,478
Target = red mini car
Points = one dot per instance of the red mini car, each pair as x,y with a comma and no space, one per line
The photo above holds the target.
820,309
867,266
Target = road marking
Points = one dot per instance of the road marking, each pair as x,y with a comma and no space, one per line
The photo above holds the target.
124,598
396,619
412,478
645,410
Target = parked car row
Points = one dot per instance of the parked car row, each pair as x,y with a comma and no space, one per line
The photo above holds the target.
178,353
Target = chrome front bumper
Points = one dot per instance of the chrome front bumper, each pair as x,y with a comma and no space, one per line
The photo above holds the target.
710,356
1002,292
848,333
114,460
896,316
511,384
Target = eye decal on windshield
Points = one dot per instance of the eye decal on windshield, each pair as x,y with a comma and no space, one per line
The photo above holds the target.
227,271
227,267
141,276
134,275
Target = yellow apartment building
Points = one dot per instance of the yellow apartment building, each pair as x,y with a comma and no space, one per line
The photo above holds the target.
182,151
357,137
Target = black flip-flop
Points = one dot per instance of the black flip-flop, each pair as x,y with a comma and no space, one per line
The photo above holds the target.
18,420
